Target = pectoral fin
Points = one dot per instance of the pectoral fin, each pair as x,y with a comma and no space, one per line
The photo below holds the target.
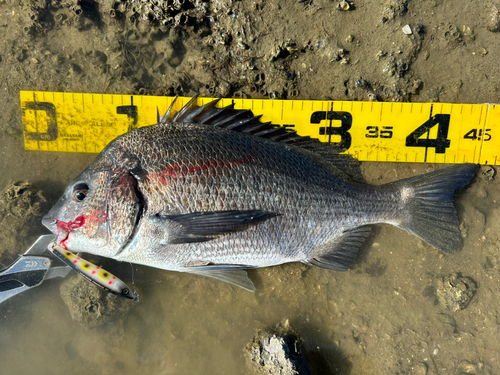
205,226
230,274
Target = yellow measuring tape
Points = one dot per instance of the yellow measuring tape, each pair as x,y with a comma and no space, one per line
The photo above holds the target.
370,131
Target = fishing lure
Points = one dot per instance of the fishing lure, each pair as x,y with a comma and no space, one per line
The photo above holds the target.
95,274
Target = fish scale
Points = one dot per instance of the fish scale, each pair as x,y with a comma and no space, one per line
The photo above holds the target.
269,173
200,197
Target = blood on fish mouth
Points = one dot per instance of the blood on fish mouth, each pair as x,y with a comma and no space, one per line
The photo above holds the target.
70,225
67,228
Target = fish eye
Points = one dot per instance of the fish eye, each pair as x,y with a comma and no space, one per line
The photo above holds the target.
80,191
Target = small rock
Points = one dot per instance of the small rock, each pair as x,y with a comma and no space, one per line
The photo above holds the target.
393,8
277,352
420,369
90,306
494,21
456,291
389,68
488,173
380,54
468,367
344,6
407,30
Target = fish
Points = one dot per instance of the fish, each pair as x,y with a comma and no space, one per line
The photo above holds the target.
214,191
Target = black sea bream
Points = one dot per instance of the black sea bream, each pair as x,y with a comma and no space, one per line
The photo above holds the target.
213,191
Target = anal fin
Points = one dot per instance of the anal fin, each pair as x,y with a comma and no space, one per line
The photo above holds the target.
342,254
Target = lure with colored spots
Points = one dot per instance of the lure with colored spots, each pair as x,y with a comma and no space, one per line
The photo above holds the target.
95,274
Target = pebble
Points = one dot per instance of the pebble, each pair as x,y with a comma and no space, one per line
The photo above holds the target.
407,30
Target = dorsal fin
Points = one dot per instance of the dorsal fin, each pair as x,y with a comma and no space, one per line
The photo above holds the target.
244,121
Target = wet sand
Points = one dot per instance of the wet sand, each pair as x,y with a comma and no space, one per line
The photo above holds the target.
386,315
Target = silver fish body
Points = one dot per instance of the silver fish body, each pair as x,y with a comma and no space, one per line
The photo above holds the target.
214,191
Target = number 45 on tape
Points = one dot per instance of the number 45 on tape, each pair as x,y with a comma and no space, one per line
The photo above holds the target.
370,131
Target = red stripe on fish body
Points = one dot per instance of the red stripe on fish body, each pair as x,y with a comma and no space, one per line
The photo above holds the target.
181,170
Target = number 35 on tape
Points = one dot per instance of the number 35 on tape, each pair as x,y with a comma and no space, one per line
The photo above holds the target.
370,131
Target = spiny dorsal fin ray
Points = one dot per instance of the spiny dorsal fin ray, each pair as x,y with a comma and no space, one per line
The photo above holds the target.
244,121
248,122
236,117
207,109
179,116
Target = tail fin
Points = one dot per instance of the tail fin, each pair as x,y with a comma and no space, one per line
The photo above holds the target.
431,214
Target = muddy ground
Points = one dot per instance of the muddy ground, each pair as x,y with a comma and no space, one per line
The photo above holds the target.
395,312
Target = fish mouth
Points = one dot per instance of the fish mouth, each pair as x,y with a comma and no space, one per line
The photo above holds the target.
52,224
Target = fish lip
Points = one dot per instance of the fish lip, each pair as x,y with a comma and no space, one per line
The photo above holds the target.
51,224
